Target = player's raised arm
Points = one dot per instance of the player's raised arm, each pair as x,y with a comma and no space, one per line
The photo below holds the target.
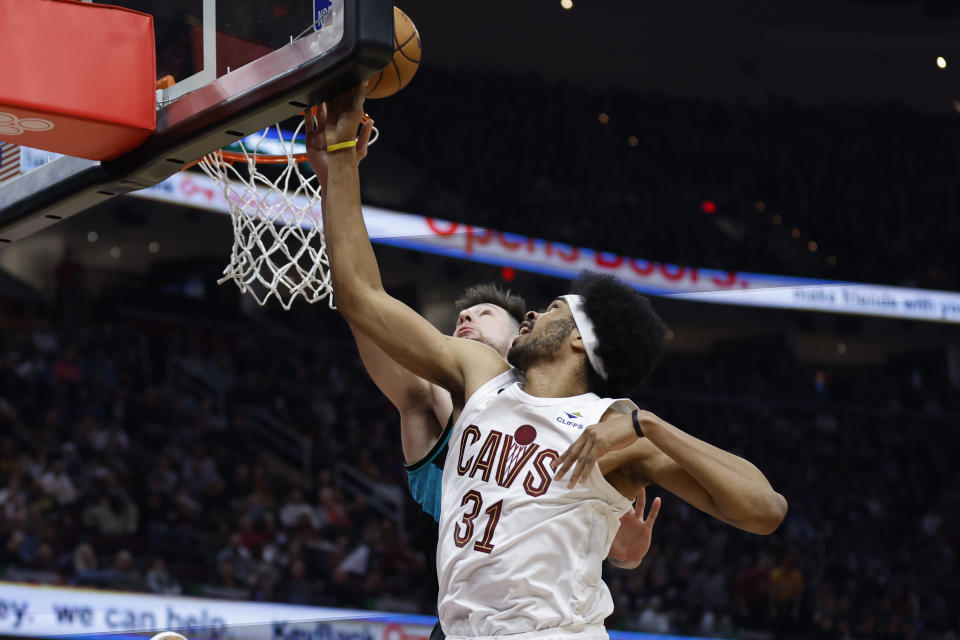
457,365
424,407
405,390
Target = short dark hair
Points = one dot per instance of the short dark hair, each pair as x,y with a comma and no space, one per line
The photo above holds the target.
631,337
492,293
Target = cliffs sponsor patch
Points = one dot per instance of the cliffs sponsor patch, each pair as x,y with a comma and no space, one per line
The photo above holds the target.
574,420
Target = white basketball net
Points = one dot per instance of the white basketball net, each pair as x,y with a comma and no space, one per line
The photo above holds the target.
278,245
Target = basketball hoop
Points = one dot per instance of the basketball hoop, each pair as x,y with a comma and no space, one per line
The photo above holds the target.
278,245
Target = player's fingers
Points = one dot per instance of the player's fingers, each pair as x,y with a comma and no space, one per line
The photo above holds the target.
641,500
575,474
561,462
573,454
315,125
364,139
568,458
584,464
654,511
320,115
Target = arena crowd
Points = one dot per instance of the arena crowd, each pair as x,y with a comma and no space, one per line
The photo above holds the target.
115,474
131,455
630,172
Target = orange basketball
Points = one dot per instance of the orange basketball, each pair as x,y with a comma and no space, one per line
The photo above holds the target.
406,58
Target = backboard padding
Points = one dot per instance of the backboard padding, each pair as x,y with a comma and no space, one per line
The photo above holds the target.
270,89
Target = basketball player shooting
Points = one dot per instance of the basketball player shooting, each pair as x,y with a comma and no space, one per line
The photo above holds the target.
520,552
487,314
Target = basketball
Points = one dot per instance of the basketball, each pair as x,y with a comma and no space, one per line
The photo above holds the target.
406,58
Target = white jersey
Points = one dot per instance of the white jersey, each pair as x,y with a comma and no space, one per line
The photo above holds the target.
518,552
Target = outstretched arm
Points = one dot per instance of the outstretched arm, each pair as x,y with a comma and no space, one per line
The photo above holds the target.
713,480
460,366
423,406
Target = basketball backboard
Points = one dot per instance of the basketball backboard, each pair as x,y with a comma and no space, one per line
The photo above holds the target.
198,41
237,66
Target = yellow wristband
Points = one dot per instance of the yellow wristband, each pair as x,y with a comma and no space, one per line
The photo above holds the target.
341,145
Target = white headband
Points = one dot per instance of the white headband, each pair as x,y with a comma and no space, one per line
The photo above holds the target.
587,332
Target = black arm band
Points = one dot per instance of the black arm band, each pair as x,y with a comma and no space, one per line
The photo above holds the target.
636,423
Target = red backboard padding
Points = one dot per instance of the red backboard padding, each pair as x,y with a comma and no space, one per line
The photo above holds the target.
78,77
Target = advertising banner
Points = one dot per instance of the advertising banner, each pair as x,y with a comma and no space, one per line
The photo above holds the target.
55,612
434,235
479,244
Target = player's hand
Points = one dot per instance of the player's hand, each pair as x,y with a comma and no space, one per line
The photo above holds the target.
315,125
344,113
596,441
633,539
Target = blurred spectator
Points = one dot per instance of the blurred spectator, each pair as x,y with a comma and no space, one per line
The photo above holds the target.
159,580
786,592
58,484
652,619
239,558
110,438
296,510
226,584
708,589
187,506
121,574
200,475
84,559
111,514
162,476
333,509
66,368
19,549
751,591
298,587
44,560
256,533
13,500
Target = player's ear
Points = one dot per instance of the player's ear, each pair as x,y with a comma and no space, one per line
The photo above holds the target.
576,341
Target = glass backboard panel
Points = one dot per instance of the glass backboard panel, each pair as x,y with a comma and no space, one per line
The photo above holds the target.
198,41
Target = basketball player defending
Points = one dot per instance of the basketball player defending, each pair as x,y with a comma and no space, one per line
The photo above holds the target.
520,552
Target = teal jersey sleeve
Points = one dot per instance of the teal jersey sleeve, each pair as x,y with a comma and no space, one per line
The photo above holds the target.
424,476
